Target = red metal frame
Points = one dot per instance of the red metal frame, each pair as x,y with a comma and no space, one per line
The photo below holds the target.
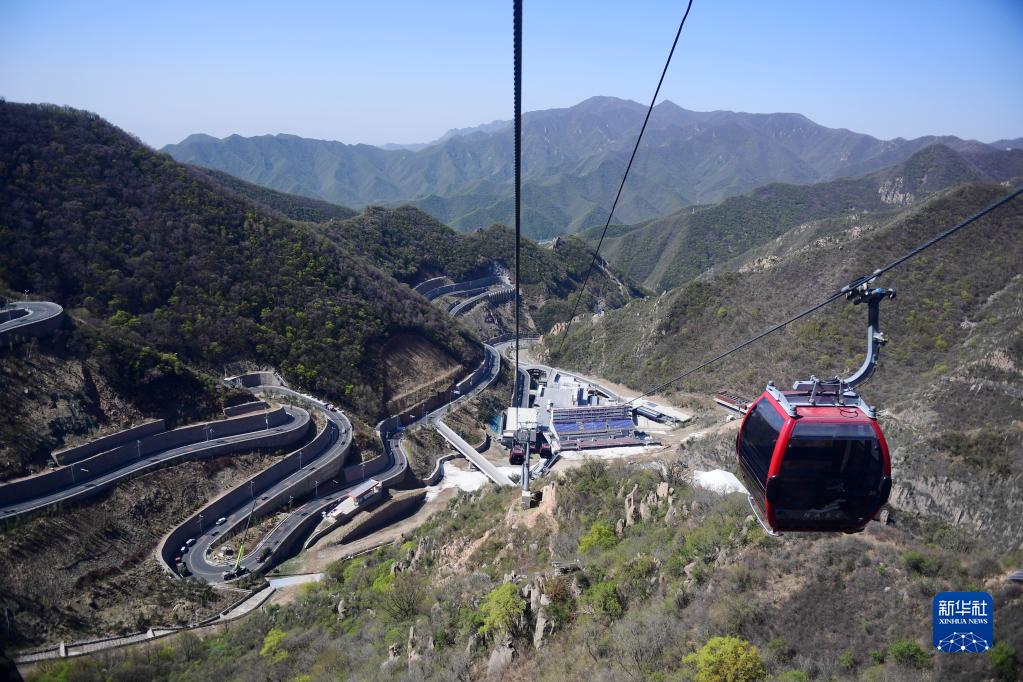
824,414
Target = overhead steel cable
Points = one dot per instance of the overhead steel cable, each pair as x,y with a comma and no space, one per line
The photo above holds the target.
621,186
841,292
517,58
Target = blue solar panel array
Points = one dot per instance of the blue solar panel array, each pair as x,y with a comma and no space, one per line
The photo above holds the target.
595,426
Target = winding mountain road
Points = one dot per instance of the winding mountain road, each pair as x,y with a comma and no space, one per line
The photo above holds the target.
317,470
29,318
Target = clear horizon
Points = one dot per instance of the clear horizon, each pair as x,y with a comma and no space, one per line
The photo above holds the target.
406,73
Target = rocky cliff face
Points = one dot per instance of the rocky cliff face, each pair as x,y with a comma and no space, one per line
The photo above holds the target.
893,192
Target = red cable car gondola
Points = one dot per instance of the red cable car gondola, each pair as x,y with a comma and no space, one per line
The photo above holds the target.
814,458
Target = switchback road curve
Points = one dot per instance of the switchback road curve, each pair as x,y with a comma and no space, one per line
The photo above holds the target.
22,319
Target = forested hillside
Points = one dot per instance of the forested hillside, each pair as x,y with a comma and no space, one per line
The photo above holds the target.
414,246
667,252
949,380
130,241
289,205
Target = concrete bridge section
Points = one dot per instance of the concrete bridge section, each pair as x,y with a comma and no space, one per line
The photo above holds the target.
463,287
469,452
498,295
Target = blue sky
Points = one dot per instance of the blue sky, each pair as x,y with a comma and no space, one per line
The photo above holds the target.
407,71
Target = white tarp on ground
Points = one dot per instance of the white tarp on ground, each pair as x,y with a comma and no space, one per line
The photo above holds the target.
718,481
454,477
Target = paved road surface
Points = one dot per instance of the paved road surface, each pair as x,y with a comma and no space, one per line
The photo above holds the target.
26,316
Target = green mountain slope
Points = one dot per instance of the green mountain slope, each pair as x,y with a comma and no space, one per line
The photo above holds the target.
136,243
949,381
290,206
413,246
573,160
667,252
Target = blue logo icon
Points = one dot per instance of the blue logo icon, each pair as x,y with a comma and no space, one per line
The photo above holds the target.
964,622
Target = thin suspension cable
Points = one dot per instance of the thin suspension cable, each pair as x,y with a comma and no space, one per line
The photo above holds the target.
517,58
934,240
841,292
621,186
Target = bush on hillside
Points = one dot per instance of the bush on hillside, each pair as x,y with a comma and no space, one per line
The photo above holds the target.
727,658
600,536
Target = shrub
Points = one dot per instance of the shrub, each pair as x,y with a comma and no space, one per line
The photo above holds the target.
920,563
605,600
734,614
727,658
846,660
561,608
703,541
501,608
402,599
634,576
780,650
272,645
384,577
1004,661
600,536
908,653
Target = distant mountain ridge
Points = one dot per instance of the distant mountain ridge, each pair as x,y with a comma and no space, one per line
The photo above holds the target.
573,160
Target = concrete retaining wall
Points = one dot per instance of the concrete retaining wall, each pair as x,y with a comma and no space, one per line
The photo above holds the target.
271,440
372,467
80,452
43,326
498,296
429,285
245,408
438,469
104,462
393,509
12,314
510,336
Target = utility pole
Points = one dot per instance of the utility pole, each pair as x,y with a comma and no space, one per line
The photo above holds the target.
200,524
